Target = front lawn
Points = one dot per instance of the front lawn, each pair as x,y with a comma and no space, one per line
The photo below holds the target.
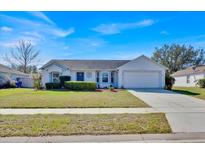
191,91
87,124
29,98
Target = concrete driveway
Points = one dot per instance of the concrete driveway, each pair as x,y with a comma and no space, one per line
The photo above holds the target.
184,113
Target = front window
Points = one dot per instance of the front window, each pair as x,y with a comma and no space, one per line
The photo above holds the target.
105,77
56,78
80,76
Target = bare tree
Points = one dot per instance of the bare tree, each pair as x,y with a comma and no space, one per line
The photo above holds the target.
22,55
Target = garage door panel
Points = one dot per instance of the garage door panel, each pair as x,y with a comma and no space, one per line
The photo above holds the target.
141,79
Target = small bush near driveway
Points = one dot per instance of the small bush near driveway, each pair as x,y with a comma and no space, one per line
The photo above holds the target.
169,81
80,85
201,83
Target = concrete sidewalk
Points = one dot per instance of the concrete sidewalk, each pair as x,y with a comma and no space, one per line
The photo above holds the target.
139,138
78,111
101,110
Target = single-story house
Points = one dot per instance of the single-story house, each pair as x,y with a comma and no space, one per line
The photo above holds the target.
189,76
13,75
141,72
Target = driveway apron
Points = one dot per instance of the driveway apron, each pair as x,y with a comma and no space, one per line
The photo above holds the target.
184,113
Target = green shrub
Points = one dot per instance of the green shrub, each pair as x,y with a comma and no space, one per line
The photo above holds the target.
6,82
53,85
80,85
12,85
63,79
111,87
169,81
201,83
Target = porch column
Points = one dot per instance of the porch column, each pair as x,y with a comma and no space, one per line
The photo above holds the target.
120,84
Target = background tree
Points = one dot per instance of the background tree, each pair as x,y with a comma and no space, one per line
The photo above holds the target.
30,69
22,55
177,57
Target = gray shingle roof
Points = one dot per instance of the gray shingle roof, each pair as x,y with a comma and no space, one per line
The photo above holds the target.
6,69
190,70
88,64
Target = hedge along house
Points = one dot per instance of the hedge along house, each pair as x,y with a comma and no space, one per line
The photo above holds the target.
141,72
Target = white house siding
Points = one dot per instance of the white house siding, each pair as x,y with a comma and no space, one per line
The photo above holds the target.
27,82
86,78
142,64
94,76
5,75
181,81
73,75
151,74
46,73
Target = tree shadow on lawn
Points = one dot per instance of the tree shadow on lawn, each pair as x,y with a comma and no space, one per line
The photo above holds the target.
66,90
186,92
93,91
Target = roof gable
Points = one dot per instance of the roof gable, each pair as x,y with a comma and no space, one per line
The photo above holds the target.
143,59
6,69
96,64
149,59
190,70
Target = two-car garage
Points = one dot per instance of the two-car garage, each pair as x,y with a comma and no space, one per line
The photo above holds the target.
141,73
141,79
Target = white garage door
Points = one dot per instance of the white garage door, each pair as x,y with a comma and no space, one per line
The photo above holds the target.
141,79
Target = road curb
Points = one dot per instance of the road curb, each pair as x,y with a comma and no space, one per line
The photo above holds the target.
138,138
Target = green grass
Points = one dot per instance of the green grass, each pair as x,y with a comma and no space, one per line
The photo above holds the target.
191,91
87,124
29,98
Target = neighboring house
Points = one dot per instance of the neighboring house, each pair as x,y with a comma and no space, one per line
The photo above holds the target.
141,72
189,76
14,75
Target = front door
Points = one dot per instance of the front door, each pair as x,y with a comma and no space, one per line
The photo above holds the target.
80,76
56,77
